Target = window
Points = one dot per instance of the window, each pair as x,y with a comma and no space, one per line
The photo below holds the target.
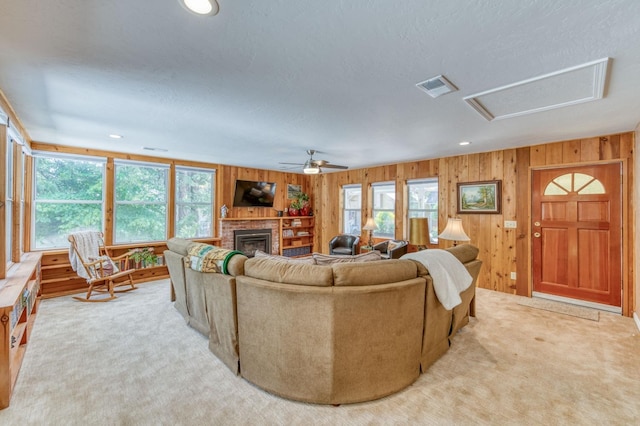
574,182
384,207
140,202
423,202
194,202
352,209
68,197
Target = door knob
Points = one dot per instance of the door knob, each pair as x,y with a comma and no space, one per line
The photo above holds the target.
536,223
536,234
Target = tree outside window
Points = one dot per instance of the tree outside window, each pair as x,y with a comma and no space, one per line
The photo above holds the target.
140,202
68,197
384,207
194,202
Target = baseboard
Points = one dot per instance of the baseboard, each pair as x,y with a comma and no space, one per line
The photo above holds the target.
636,319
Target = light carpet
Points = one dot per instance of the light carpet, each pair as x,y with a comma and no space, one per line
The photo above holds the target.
133,361
560,308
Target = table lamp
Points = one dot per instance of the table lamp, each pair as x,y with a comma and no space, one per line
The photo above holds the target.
419,232
370,226
454,231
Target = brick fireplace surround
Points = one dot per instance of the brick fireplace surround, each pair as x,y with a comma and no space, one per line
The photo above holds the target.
227,226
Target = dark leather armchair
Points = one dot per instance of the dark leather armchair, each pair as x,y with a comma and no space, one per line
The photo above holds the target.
392,249
344,244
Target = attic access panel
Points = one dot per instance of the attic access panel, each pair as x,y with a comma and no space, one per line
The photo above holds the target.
570,86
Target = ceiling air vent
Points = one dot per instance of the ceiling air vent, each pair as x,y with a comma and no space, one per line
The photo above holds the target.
437,86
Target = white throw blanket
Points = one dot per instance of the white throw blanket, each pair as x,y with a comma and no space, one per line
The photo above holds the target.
450,277
88,245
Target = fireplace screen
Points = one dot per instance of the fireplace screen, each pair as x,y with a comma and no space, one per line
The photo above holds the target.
248,241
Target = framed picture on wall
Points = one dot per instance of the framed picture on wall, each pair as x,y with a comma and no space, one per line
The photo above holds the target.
480,197
293,190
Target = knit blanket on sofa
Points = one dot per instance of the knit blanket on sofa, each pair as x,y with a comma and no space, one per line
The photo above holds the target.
450,277
207,258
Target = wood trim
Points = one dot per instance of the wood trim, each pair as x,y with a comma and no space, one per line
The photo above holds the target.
523,217
17,200
171,206
3,197
28,205
109,201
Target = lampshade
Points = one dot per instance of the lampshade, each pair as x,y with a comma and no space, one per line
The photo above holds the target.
454,231
310,168
419,231
370,225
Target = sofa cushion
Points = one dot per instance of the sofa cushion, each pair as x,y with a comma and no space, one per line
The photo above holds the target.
373,273
464,252
328,259
179,245
307,259
287,272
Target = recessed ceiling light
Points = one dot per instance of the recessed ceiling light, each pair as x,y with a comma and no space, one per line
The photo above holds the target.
114,136
463,143
201,7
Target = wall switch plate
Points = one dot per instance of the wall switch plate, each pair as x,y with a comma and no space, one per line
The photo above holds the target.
510,224
513,275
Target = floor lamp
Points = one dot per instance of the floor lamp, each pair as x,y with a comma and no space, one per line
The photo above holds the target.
454,231
419,232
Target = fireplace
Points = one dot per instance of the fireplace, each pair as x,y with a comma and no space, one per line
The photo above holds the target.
248,241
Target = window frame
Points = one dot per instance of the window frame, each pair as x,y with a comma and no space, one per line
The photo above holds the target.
178,203
434,212
46,154
167,196
375,211
344,190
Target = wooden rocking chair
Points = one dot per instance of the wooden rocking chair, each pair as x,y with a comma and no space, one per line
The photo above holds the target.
91,260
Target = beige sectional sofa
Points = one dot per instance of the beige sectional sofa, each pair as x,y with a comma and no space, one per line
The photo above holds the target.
330,334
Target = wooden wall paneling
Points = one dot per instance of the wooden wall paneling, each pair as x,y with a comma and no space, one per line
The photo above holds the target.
483,227
109,201
3,196
609,147
509,212
498,266
554,153
443,194
522,193
589,150
538,155
571,151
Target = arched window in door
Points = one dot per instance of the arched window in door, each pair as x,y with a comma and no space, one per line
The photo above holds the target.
578,183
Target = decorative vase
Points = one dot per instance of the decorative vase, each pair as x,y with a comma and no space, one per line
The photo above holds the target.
294,212
304,211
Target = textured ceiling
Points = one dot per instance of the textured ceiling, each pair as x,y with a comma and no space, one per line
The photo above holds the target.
263,81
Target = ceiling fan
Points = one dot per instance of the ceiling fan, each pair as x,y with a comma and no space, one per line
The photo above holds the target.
312,166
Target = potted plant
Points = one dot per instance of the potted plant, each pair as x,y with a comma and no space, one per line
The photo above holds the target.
144,257
300,205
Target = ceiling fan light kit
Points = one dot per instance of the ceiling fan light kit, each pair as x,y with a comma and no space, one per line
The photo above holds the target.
310,168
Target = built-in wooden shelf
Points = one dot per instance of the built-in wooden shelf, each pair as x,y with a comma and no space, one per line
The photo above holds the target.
19,301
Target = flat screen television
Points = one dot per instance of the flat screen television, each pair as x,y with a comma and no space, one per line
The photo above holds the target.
254,194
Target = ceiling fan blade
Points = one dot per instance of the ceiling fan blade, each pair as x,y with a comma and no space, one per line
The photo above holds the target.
293,164
333,166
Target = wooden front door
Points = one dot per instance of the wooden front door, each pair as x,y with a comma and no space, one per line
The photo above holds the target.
577,232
